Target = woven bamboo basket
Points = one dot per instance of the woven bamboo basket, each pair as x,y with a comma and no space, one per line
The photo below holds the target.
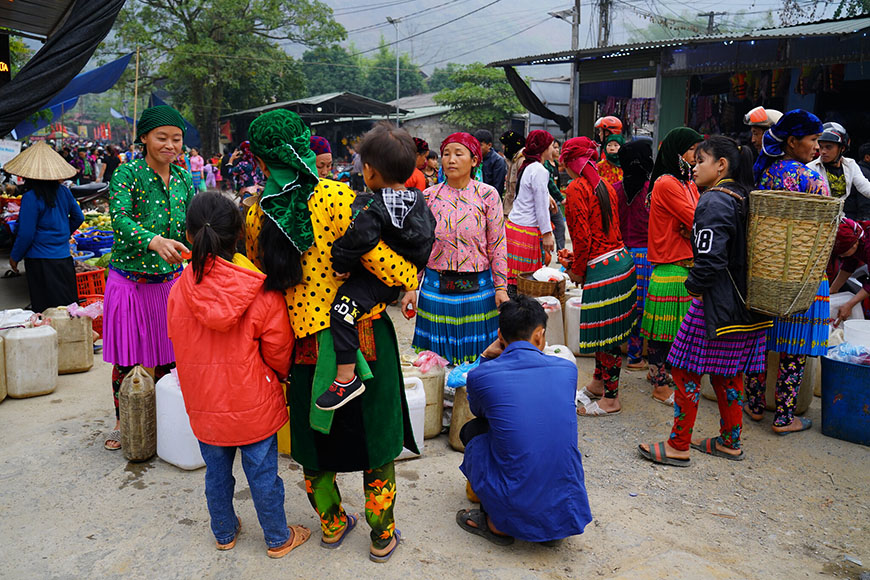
791,236
527,285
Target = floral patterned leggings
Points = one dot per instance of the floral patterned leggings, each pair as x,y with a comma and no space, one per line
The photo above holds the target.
729,396
379,486
119,372
607,367
788,383
657,353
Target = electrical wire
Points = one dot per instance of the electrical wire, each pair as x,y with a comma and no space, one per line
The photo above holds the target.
488,45
403,18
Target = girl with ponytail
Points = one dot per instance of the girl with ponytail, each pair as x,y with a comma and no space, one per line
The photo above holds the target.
718,336
604,266
232,342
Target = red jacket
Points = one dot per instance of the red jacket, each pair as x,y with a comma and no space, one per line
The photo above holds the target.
671,214
232,342
583,215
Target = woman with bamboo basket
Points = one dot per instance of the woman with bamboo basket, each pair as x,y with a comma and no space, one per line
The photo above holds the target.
788,146
672,204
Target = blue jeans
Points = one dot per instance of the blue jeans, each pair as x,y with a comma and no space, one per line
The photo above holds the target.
260,463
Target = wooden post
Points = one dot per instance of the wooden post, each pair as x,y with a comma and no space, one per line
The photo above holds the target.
136,95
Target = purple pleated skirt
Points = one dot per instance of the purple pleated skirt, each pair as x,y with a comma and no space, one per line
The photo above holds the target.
134,322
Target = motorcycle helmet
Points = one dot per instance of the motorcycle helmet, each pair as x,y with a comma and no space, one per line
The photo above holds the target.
761,117
835,133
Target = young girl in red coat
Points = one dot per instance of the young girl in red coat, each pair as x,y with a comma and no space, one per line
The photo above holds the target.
232,343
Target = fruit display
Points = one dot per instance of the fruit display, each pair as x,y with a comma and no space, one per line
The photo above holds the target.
101,221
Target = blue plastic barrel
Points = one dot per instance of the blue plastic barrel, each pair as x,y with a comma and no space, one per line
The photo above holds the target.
846,401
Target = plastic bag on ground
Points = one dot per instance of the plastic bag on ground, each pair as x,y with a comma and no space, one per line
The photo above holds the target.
459,375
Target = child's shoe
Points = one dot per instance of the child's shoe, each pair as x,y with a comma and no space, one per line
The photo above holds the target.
339,394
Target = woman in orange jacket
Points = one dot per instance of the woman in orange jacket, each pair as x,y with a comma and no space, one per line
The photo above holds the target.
672,204
232,343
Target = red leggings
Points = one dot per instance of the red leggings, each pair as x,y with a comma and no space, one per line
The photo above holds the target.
729,396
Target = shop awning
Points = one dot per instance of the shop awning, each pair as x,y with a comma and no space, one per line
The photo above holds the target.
35,17
326,107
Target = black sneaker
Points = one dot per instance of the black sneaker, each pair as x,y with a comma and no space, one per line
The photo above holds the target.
339,394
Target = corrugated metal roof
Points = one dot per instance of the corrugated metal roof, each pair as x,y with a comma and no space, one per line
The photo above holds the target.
39,17
338,104
821,28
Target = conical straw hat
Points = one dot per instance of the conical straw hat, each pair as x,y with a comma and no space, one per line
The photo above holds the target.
40,162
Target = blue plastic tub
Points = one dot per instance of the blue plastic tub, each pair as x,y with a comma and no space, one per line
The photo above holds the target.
84,256
846,401
94,240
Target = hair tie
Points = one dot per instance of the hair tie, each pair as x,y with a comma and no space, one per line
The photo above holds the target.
207,225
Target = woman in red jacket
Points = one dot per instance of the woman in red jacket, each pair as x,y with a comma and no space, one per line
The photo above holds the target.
672,204
604,266
232,341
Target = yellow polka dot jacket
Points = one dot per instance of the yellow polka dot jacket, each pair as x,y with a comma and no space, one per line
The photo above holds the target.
142,206
308,302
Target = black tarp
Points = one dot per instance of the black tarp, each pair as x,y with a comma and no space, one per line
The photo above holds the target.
532,103
59,60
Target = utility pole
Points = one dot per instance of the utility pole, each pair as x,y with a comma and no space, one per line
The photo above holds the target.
604,22
395,23
711,26
574,13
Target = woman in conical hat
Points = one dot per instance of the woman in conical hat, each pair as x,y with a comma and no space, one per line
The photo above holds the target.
49,214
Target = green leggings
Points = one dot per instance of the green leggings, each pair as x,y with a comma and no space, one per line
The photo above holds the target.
379,487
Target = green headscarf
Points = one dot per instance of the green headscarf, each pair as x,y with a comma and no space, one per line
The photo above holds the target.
159,116
675,143
283,142
613,157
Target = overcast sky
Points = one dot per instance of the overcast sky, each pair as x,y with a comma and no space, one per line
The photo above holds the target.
498,31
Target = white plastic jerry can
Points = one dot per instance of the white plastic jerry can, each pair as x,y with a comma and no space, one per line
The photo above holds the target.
31,361
416,396
176,443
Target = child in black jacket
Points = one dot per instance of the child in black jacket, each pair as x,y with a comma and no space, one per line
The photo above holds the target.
399,217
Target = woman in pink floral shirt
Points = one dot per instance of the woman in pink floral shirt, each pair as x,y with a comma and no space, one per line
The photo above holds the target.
465,280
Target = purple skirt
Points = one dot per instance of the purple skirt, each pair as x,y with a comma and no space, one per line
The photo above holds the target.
134,322
741,352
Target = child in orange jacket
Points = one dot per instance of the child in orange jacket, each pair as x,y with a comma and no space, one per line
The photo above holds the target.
232,341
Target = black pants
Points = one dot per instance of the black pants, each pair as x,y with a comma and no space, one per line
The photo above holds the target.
356,297
475,427
51,282
357,182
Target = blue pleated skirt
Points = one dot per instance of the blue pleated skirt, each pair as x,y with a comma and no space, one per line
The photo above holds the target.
805,333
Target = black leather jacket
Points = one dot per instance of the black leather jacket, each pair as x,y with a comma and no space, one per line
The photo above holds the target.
719,245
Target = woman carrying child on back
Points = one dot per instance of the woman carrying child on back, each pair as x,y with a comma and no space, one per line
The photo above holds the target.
232,341
718,336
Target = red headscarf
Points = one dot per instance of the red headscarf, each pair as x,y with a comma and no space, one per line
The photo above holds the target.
848,233
465,139
580,154
536,143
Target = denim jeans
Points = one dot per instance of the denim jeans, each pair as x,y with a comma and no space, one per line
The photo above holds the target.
260,463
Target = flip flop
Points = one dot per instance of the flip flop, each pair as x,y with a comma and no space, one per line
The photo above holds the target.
386,557
656,454
352,519
752,415
479,518
669,401
232,543
708,446
300,536
805,424
586,396
593,410
112,436
640,365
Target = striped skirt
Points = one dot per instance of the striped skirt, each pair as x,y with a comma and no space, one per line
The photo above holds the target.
742,352
134,322
524,252
667,302
456,326
805,333
609,298
644,271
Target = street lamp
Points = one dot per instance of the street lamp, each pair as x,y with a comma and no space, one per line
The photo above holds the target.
395,23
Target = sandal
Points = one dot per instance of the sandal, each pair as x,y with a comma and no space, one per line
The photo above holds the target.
593,410
232,543
386,557
11,274
480,520
639,365
585,396
656,454
300,535
752,415
113,436
708,446
669,401
352,519
805,424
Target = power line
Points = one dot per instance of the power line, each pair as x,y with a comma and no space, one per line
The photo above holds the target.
405,17
442,25
488,45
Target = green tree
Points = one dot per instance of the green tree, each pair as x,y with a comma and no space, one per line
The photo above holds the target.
440,79
19,54
214,54
380,78
852,8
331,69
482,99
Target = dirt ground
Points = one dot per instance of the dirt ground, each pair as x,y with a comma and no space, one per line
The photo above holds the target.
797,507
